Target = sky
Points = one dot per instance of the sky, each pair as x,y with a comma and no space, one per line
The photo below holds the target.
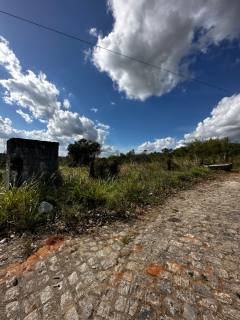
58,89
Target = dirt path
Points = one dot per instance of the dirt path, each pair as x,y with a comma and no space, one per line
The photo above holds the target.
181,261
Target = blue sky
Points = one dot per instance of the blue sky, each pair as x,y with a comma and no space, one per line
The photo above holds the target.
133,118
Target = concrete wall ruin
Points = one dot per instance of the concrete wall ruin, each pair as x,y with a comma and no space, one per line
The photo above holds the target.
27,159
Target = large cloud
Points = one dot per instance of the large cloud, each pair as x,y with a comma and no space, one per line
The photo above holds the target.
223,122
163,33
63,132
157,145
41,99
33,92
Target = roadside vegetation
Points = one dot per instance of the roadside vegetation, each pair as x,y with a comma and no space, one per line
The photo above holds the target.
116,188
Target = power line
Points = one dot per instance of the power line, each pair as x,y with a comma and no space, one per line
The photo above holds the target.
92,44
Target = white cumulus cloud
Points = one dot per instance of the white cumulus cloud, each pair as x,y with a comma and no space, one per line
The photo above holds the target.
109,151
224,121
67,124
163,33
25,116
35,94
8,58
157,145
5,127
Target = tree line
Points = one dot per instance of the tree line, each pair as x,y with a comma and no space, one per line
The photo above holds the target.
85,153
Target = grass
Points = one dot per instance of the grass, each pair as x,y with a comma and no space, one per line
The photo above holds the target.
80,197
236,163
19,207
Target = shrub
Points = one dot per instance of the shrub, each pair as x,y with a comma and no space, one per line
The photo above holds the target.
105,168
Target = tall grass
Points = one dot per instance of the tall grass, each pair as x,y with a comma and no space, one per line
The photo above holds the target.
137,185
19,207
80,196
236,163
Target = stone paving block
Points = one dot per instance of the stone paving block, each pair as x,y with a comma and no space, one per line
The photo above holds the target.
46,294
66,300
42,280
103,309
71,314
30,303
12,308
73,278
87,307
120,304
51,310
132,307
12,293
83,268
124,288
32,316
29,287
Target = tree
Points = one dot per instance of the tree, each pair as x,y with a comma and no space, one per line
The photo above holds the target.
83,152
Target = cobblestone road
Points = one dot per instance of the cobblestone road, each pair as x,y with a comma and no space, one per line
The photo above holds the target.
181,261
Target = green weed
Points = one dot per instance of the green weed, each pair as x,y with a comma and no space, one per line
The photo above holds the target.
80,196
19,207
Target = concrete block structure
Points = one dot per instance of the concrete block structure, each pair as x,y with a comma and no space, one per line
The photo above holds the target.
27,159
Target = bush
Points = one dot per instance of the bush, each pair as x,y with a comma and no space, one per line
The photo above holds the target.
19,207
105,168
